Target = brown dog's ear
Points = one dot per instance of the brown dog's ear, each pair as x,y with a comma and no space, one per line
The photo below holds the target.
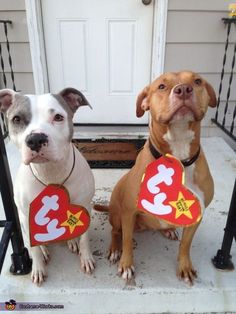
74,98
6,99
212,94
142,103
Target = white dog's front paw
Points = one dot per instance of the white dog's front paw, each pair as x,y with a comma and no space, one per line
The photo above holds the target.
87,262
73,245
39,273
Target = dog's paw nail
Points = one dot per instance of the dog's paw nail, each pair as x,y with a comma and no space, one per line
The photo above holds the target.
38,277
128,273
119,273
114,257
188,281
87,264
73,246
46,259
176,236
170,234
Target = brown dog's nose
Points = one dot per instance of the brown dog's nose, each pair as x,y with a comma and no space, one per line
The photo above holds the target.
183,91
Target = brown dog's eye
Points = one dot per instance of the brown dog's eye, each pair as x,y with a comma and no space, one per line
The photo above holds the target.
198,81
58,117
16,120
161,86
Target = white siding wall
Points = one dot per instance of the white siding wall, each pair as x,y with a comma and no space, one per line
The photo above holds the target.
14,10
195,40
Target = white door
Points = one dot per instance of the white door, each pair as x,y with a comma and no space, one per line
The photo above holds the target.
103,48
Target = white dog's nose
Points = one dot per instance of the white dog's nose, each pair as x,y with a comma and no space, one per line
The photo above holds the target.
35,141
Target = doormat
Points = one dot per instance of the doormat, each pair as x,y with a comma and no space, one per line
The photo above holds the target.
110,153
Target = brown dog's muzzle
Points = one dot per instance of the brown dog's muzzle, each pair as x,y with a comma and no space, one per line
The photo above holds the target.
183,91
182,101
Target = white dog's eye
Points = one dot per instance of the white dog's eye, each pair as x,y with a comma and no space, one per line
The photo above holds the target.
16,120
58,118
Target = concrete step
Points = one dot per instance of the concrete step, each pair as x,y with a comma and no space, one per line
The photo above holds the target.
155,288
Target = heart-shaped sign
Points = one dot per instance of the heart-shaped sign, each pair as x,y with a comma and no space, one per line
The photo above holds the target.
163,194
52,218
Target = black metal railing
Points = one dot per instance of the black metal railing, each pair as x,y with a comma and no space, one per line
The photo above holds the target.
21,263
5,24
221,121
222,260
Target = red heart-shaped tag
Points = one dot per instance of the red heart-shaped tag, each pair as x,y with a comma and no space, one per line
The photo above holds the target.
52,218
163,194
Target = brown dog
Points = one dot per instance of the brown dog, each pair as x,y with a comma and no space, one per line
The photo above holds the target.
177,104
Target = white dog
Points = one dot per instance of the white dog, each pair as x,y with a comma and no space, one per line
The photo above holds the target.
41,127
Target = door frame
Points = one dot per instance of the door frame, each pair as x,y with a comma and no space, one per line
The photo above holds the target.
37,43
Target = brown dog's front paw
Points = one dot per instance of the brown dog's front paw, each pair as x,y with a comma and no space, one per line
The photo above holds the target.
114,256
186,272
126,270
126,273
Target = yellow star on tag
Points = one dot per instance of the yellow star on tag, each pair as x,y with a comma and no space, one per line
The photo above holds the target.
73,220
182,206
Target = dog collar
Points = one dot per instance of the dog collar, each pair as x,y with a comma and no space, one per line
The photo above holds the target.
186,163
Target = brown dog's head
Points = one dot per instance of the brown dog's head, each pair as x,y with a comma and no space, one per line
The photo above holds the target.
176,96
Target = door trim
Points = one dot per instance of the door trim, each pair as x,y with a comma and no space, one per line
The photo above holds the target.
37,44
159,37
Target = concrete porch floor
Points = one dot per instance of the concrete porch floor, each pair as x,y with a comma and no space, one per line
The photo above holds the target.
156,288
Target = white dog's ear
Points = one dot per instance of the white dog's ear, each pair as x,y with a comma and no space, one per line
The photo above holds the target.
6,99
74,98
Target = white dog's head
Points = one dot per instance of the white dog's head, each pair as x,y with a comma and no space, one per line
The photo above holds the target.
41,125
